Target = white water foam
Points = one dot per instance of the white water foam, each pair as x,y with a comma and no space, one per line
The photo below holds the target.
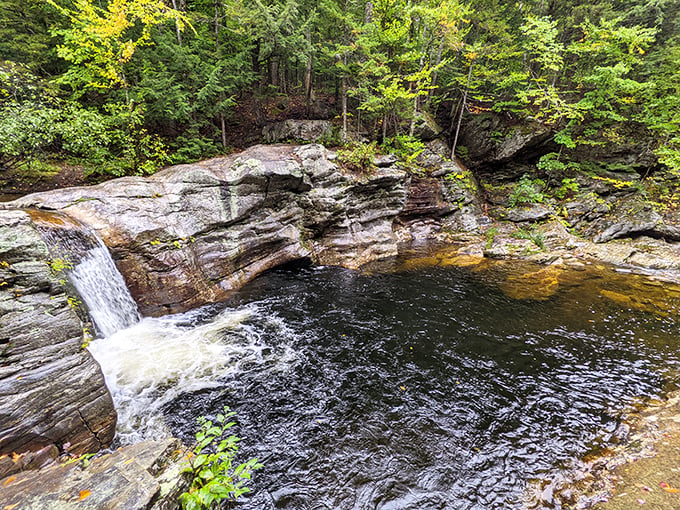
151,363
101,286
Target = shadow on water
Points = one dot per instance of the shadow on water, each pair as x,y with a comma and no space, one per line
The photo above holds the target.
434,386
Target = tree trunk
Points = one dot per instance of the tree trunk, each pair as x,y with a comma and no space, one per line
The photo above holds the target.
223,125
412,126
257,93
179,32
308,75
435,75
344,99
217,25
460,114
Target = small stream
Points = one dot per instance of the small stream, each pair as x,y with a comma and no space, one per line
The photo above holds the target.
421,388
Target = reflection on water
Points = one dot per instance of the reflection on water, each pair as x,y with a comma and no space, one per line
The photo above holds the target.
432,388
418,388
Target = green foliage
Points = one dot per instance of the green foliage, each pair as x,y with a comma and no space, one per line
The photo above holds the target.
214,477
359,157
406,148
531,234
527,191
30,132
594,73
99,41
60,265
569,188
489,235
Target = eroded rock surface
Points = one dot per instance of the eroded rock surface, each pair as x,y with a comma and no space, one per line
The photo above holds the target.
52,392
131,478
191,234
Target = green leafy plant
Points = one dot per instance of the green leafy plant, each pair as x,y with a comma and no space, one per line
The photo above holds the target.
527,191
405,147
359,157
213,477
531,234
569,188
60,265
489,236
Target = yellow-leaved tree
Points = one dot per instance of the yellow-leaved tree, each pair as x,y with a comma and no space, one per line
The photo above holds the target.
101,40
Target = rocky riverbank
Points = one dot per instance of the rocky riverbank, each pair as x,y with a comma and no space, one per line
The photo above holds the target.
194,234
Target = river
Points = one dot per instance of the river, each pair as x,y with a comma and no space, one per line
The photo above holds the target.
404,386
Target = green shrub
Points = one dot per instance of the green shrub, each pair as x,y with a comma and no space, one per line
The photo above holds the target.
213,477
489,235
527,191
406,148
359,157
569,188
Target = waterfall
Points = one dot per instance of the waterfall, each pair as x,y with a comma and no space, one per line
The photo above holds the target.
101,286
90,268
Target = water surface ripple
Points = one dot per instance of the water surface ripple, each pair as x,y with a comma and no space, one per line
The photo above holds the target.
427,389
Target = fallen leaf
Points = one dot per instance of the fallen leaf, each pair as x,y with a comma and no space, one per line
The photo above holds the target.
402,388
9,507
668,488
9,480
128,461
15,456
84,494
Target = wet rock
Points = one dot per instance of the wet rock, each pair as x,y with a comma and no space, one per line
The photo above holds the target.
291,129
52,392
130,478
629,216
531,212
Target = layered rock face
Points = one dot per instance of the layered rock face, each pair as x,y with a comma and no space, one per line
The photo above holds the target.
52,393
191,234
187,236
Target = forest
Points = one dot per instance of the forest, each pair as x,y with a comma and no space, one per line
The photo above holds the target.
125,87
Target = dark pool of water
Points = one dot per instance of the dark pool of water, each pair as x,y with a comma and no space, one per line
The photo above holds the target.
430,389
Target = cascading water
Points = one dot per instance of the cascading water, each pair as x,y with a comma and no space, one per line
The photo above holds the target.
149,362
422,390
91,270
103,289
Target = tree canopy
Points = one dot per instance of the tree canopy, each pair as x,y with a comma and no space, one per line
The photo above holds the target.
147,82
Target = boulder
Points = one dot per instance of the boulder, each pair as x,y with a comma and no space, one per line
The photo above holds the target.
131,478
302,130
425,127
630,216
52,392
490,141
529,212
